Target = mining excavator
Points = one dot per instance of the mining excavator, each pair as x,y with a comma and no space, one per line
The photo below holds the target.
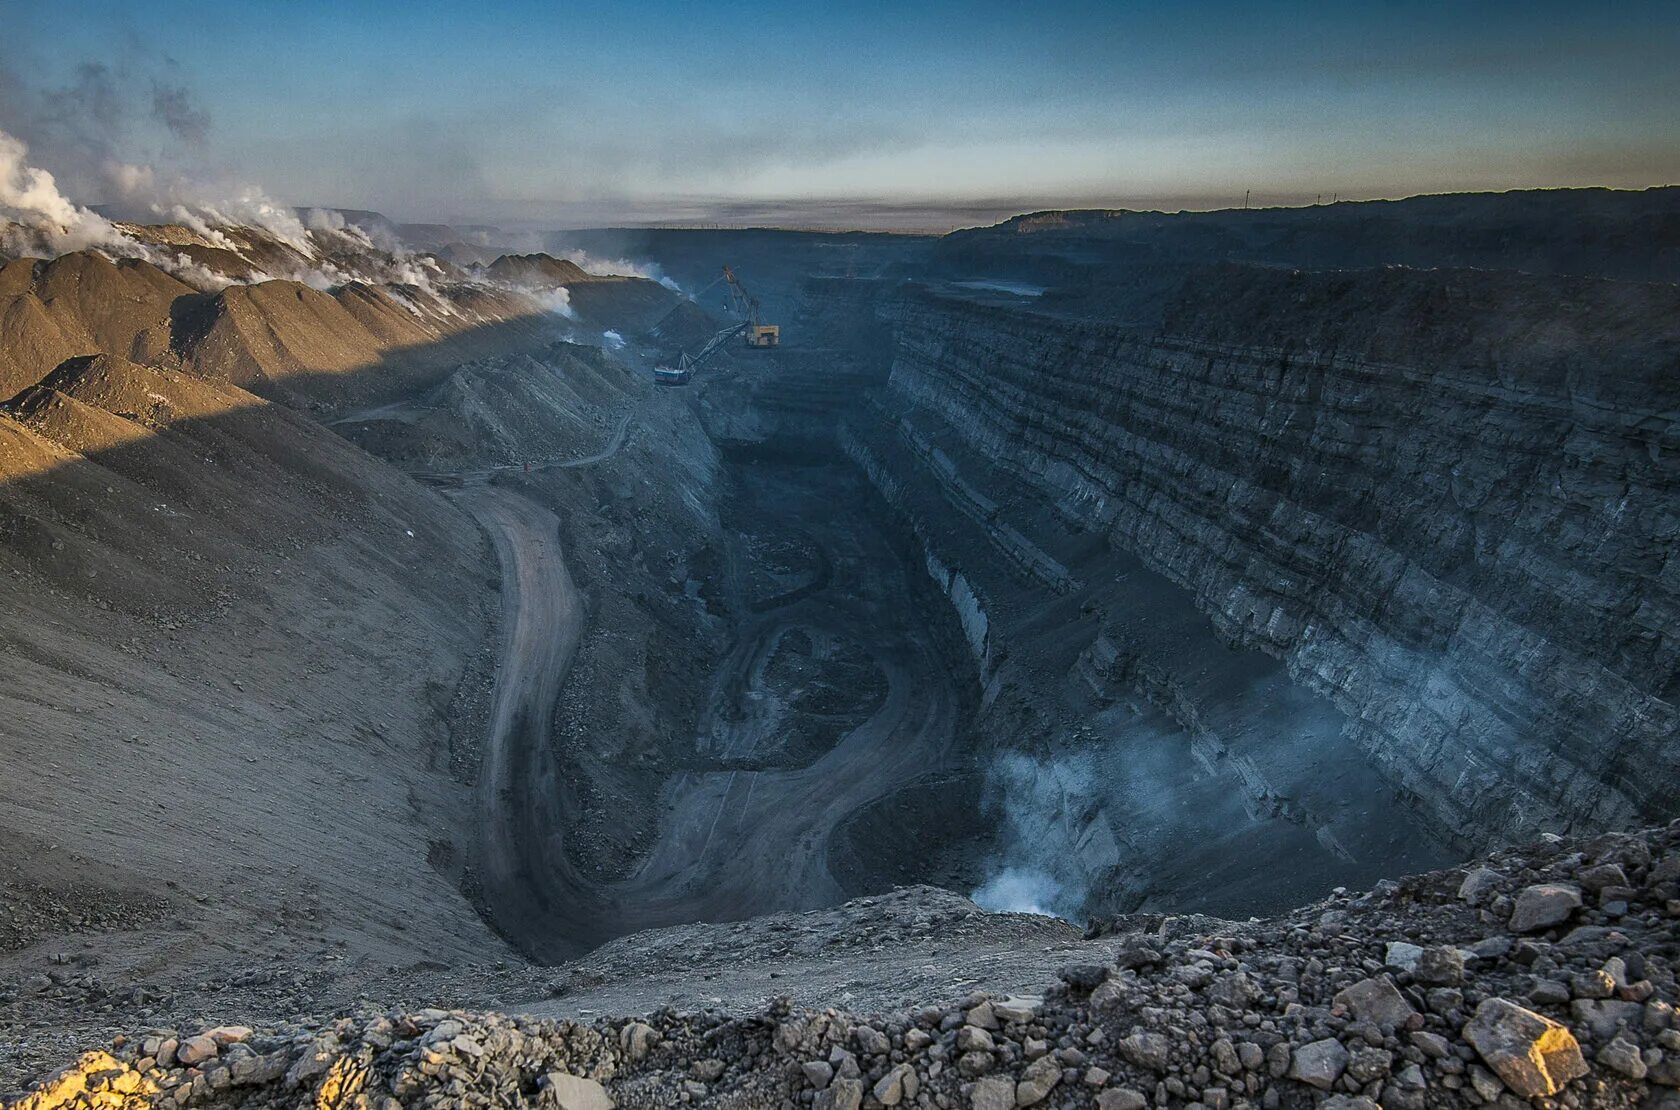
747,325
746,309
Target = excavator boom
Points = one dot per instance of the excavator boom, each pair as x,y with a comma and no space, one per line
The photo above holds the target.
757,334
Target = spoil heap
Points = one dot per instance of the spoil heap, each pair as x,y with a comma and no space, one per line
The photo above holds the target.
1543,975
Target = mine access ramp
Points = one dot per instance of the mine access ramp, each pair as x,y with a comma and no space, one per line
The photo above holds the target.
757,334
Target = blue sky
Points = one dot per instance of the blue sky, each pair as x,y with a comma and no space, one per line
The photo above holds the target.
579,113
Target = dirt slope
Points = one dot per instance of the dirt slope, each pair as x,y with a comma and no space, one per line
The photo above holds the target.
500,410
231,641
537,271
80,304
356,342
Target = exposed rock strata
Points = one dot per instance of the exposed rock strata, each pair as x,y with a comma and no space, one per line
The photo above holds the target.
1416,489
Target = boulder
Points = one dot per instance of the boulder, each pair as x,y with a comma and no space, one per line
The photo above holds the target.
1480,885
1147,1050
1377,1001
574,1092
1603,1017
257,1071
1016,1010
1237,991
196,1050
1107,995
1440,966
1543,905
1534,1055
898,1085
871,1041
1622,1056
1083,977
1320,1063
842,1094
1597,878
637,1040
1038,1081
994,1093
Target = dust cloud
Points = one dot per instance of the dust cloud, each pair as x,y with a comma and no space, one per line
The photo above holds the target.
1044,809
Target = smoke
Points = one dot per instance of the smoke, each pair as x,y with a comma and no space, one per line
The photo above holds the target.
40,215
129,136
91,109
130,139
356,253
1054,841
137,108
558,301
612,340
172,106
170,197
36,217
621,267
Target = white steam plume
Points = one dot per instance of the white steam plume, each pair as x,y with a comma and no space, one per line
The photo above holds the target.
1046,810
557,300
621,267
41,216
175,199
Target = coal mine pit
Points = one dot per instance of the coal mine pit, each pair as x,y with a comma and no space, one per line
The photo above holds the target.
910,667
1071,662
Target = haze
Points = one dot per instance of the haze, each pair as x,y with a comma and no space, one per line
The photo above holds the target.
849,114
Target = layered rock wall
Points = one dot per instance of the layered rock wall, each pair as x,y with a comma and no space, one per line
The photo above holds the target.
1446,500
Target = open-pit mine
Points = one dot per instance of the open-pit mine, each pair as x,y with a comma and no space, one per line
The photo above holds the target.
1102,659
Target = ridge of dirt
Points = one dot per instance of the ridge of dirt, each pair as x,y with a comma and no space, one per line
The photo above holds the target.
340,346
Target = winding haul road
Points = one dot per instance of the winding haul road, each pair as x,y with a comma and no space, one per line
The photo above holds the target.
542,624
732,843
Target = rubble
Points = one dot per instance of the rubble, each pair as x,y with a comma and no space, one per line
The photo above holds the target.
1264,1014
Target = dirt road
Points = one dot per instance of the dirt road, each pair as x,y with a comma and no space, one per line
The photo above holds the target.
620,434
543,620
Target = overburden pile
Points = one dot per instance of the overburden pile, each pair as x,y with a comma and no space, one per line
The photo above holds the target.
1543,975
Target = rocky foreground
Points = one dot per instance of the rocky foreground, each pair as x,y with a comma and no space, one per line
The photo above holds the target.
1543,975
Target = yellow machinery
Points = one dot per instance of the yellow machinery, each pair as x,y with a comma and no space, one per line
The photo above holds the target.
747,325
756,334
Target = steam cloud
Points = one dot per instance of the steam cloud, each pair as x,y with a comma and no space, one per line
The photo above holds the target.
31,202
621,267
91,128
1045,810
36,217
557,301
173,107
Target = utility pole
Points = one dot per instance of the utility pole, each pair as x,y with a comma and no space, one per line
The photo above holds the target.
1246,192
